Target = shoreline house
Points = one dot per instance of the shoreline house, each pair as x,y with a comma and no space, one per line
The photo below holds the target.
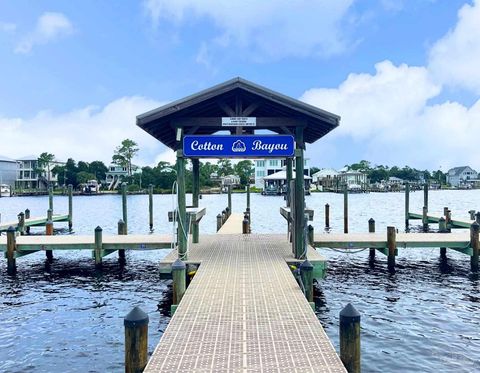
29,176
325,179
276,184
116,173
356,181
8,171
267,167
463,176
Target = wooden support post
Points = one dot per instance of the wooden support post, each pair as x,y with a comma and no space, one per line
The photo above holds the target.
219,222
306,272
289,179
21,223
11,248
425,195
472,214
291,224
224,216
477,217
371,229
27,216
150,206
350,339
327,215
50,198
49,232
121,232
70,206
311,235
136,341
124,205
407,204
195,197
475,245
442,228
179,275
182,232
229,200
50,214
345,209
98,247
392,246
248,196
249,216
245,229
228,212
448,220
299,222
425,218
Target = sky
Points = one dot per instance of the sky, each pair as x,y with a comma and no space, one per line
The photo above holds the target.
403,75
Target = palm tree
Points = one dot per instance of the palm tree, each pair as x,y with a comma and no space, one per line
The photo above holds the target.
44,160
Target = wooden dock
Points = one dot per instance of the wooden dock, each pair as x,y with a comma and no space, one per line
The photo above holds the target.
33,222
454,223
244,312
233,225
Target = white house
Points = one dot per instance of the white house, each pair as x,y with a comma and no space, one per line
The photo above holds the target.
459,176
28,176
8,171
266,167
325,178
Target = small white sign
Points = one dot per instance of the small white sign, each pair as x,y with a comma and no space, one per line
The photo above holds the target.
239,122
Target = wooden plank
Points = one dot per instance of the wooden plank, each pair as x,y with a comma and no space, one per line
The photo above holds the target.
196,214
286,213
233,225
33,222
436,218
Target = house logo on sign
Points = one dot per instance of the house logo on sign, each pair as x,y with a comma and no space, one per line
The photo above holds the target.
239,147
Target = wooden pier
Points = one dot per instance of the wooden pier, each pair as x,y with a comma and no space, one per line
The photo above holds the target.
34,222
244,311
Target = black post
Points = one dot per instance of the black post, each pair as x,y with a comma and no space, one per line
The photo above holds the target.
371,229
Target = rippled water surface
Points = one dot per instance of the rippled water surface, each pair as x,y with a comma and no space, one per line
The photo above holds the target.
68,317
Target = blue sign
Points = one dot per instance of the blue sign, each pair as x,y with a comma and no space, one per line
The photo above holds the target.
239,146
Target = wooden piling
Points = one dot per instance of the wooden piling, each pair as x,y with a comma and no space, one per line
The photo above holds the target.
11,248
195,197
245,228
27,216
98,247
475,245
371,229
345,209
472,214
448,220
21,223
179,275
299,222
50,214
289,166
327,215
229,199
70,206
224,216
248,196
425,218
124,205
49,232
121,232
311,235
425,195
136,341
392,246
150,206
228,212
219,222
306,272
477,217
442,228
50,198
407,205
350,339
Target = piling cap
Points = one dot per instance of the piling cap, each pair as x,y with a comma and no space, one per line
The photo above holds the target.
477,214
441,219
98,229
10,229
349,314
27,210
121,221
21,214
135,317
306,266
475,226
219,215
178,265
371,220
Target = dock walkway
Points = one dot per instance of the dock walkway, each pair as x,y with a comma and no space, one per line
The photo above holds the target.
244,312
33,222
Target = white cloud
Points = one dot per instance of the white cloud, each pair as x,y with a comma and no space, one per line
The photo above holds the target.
7,27
454,59
86,134
269,29
50,27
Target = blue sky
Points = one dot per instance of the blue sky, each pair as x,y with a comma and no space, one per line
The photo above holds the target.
402,74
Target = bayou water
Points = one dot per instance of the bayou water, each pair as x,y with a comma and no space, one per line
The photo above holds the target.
68,317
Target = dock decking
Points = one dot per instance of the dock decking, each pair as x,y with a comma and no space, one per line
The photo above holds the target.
243,312
34,222
455,223
233,225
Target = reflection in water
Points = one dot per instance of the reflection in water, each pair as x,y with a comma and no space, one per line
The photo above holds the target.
68,316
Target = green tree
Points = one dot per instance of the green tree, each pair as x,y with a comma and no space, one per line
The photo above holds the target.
44,161
314,170
244,170
59,172
99,169
83,177
225,167
71,172
124,154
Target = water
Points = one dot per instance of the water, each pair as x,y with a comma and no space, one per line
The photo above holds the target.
69,317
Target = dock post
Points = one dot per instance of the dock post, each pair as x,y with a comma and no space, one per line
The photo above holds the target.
477,217
311,235
195,197
50,197
248,196
11,247
371,229
442,228
224,216
392,246
475,245
449,220
229,188
472,214
179,275
345,209
27,216
136,340
70,206
289,163
50,214
249,216
245,228
49,232
327,215
124,204
98,247
228,212
425,195
182,231
350,338
407,204
121,232
306,271
425,218
150,206
299,204
21,223
219,222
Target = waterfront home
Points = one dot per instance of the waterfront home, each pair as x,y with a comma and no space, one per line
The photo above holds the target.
464,176
356,181
267,167
277,183
325,179
116,173
29,176
8,171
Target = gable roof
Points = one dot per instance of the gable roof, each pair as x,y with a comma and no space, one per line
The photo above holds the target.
236,97
457,170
